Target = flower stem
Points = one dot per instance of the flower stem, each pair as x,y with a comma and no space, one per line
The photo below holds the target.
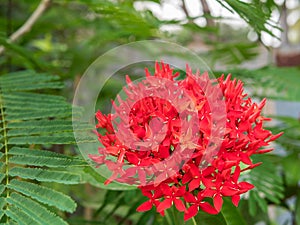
175,216
194,221
168,218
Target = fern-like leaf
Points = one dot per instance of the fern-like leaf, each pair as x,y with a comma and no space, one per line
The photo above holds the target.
269,188
29,121
25,156
43,195
20,217
45,175
33,209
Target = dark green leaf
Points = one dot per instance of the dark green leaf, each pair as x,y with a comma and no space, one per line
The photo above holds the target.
45,175
231,214
44,195
34,210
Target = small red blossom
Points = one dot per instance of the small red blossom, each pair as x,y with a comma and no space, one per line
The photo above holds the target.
174,140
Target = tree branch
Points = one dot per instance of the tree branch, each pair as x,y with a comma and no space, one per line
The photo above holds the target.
185,9
206,12
26,27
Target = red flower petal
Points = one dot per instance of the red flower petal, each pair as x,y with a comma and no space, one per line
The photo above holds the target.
206,207
167,203
245,159
274,137
179,205
188,197
145,206
229,191
246,186
235,200
191,212
195,183
113,150
218,202
97,159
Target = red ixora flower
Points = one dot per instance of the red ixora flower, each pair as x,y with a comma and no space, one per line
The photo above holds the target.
158,137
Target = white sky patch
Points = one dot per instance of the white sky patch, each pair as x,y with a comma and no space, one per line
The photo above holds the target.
172,10
293,17
193,7
279,2
267,39
166,11
291,4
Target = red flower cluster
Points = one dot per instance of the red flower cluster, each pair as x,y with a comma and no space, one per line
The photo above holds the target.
174,139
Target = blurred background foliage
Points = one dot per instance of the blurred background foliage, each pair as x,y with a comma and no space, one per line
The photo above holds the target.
257,41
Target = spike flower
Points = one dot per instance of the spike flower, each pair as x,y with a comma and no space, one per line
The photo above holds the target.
162,137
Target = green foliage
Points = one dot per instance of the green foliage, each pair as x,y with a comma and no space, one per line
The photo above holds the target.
119,208
25,156
256,13
276,83
289,160
39,213
45,175
297,209
31,120
234,52
231,214
268,185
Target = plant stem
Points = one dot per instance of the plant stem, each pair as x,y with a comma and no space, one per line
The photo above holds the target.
168,218
5,148
175,216
194,221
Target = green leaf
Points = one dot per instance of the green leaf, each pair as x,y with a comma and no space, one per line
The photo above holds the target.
13,115
20,217
231,214
2,188
252,13
35,119
252,203
204,218
41,140
260,201
43,127
28,80
37,86
35,152
25,77
27,97
34,210
44,195
276,83
291,165
267,182
2,175
25,156
45,175
1,165
26,55
33,106
1,214
2,202
233,53
45,161
297,208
